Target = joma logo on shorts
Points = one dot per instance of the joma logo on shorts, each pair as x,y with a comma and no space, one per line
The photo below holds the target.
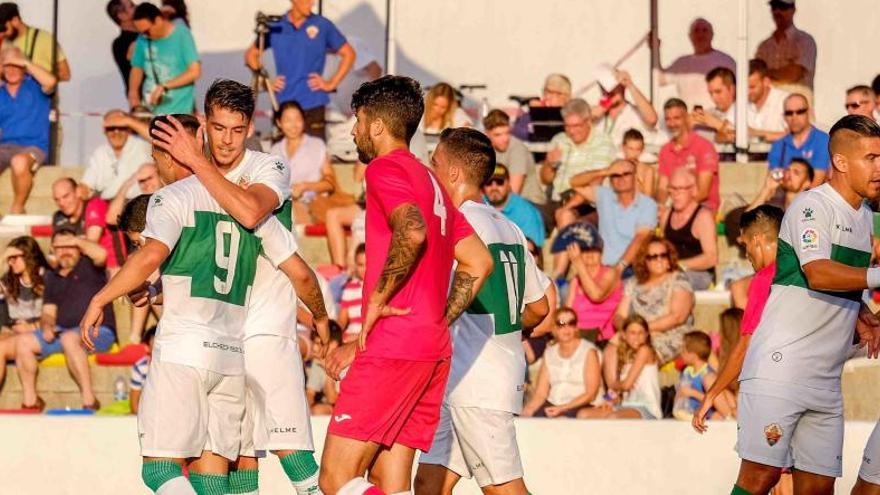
283,429
222,347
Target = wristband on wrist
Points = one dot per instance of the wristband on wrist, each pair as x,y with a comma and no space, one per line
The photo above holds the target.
873,277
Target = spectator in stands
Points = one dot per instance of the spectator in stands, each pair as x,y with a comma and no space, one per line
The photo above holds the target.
122,13
513,206
574,151
114,162
632,148
536,343
87,219
21,288
861,100
341,217
720,120
632,373
616,115
790,53
175,11
596,290
688,72
139,372
34,43
442,110
512,152
25,103
626,216
299,60
571,375
697,377
164,65
690,227
556,93
797,178
311,174
145,180
351,318
661,294
69,288
803,140
766,104
875,86
687,149
132,221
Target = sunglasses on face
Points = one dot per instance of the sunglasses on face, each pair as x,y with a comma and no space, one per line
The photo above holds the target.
801,111
116,129
656,256
496,181
566,323
855,104
620,176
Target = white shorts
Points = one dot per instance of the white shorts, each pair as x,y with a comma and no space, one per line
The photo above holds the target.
475,442
186,410
780,432
870,470
277,409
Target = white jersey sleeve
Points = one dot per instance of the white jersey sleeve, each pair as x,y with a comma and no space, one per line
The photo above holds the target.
278,243
808,228
271,171
165,218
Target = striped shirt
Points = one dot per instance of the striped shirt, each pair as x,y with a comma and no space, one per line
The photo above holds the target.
352,301
139,373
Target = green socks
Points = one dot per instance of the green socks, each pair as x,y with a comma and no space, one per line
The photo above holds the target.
302,470
156,473
739,491
209,484
244,481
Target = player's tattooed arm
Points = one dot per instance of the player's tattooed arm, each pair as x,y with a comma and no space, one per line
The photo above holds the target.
461,294
407,242
474,266
305,282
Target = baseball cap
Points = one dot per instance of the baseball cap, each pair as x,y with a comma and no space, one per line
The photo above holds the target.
500,172
584,234
781,4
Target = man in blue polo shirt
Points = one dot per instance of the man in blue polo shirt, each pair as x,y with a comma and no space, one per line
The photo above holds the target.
802,141
24,121
513,206
300,41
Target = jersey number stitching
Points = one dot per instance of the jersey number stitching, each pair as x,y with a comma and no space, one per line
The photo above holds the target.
223,260
439,207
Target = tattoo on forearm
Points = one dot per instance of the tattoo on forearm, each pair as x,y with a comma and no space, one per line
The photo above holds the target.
460,295
314,299
404,251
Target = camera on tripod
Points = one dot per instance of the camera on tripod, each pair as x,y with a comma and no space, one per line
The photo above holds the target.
263,20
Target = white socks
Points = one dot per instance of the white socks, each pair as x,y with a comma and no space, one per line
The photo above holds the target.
308,486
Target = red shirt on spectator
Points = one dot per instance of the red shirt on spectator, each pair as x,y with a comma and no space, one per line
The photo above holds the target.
759,292
96,215
699,156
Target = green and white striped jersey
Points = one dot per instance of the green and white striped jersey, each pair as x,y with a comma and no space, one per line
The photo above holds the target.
488,363
207,277
805,335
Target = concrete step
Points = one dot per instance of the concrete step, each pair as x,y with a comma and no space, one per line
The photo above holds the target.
57,388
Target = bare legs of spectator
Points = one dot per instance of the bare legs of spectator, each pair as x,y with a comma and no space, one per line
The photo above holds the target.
27,349
22,181
338,219
7,353
78,365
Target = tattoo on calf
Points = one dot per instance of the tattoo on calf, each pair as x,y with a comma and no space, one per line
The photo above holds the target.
404,251
461,295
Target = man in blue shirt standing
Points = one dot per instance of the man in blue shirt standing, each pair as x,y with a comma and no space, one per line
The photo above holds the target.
300,41
803,141
513,206
25,102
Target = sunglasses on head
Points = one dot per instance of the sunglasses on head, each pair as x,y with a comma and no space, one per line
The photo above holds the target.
496,181
801,111
656,256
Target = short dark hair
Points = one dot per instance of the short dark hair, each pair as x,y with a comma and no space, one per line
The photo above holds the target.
134,216
875,84
8,12
113,9
699,343
189,122
861,88
287,105
360,249
148,335
633,135
397,100
811,172
859,124
766,217
675,103
230,95
727,76
64,230
756,65
146,11
472,149
496,118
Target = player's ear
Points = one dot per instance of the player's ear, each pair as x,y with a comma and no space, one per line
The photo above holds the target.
377,127
250,131
840,162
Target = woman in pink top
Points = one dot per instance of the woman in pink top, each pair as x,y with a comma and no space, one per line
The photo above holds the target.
596,289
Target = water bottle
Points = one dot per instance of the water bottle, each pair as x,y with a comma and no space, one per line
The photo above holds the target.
120,389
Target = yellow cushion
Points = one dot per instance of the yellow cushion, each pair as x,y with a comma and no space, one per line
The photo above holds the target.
59,360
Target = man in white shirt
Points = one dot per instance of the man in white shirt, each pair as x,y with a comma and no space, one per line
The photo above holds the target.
765,104
718,122
688,72
112,163
790,53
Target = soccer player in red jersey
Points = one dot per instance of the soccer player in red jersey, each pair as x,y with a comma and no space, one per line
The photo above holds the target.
389,402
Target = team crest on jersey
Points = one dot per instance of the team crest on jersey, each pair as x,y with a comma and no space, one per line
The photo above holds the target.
157,200
773,432
278,166
809,240
808,214
311,32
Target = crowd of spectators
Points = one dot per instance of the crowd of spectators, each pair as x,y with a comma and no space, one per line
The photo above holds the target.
627,203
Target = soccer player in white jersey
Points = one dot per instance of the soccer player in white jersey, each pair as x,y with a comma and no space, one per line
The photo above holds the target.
193,400
790,403
476,436
250,185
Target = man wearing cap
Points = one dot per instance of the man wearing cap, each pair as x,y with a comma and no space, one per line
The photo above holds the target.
513,206
24,121
790,53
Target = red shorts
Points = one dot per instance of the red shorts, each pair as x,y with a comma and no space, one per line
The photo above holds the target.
390,401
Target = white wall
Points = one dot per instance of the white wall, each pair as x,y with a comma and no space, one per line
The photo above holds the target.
508,44
99,455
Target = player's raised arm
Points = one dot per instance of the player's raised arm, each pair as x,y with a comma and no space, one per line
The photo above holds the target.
474,266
